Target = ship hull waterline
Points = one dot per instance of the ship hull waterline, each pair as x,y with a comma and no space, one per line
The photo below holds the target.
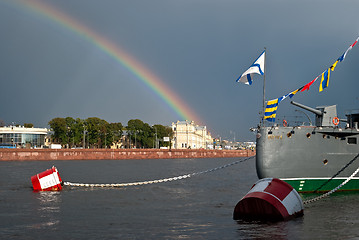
306,157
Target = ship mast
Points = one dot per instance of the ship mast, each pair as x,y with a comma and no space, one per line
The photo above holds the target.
264,86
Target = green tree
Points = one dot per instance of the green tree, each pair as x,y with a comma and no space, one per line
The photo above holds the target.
147,136
94,128
163,131
69,131
134,129
114,133
70,122
101,134
58,125
139,133
75,129
78,129
142,135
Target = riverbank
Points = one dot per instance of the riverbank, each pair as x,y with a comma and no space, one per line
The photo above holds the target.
116,154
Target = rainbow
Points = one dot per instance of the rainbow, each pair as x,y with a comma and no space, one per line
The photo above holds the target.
152,81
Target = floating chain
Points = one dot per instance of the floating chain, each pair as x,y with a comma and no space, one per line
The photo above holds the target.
113,185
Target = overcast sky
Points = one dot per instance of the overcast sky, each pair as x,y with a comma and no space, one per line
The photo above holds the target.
198,48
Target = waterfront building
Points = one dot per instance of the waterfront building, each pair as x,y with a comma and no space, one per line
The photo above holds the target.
22,137
187,135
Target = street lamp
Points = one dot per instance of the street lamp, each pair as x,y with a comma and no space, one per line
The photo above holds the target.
84,138
156,137
105,140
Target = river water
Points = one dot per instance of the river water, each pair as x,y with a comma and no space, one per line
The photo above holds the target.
199,207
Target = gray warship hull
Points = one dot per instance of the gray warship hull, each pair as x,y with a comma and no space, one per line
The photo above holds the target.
307,156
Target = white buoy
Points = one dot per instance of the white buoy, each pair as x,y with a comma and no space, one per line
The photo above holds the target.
270,199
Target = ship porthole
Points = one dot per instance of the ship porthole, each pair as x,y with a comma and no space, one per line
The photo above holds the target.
289,134
308,135
325,161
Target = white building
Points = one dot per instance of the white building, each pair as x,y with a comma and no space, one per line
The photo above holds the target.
187,135
13,136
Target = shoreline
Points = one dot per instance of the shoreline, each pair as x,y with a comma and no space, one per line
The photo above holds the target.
116,154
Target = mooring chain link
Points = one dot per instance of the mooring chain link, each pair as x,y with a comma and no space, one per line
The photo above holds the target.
334,190
341,170
338,187
113,185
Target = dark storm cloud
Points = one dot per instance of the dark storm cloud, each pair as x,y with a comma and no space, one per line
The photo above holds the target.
198,48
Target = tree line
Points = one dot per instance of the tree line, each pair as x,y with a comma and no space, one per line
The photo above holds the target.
97,133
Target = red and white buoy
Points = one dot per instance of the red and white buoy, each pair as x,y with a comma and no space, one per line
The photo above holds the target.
270,199
49,180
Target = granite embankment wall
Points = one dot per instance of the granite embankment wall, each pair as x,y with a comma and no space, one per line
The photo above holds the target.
116,154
